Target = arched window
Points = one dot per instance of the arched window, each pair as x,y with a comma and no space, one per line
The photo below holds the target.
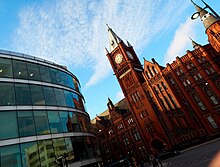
155,70
211,96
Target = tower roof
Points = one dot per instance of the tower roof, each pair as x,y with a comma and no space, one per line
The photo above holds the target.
207,18
114,40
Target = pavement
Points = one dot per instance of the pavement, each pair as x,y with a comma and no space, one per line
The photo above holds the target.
165,164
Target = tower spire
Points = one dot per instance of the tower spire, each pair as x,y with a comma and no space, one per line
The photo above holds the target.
114,40
207,18
194,44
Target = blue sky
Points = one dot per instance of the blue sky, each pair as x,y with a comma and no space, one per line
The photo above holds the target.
74,33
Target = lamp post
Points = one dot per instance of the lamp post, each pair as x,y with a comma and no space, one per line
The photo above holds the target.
197,14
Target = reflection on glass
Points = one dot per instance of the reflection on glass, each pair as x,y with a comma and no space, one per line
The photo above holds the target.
59,146
69,149
70,79
47,154
45,73
41,122
7,95
20,69
37,95
26,123
75,126
54,121
55,76
49,96
69,99
10,156
8,125
60,97
23,96
64,78
81,154
64,117
5,68
33,71
30,155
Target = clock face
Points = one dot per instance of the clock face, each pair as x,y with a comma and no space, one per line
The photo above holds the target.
129,55
118,58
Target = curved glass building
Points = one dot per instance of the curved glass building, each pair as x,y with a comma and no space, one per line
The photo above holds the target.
42,115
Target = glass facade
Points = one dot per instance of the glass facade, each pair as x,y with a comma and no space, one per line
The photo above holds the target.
40,99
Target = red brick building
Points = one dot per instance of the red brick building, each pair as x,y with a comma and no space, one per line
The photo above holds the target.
176,105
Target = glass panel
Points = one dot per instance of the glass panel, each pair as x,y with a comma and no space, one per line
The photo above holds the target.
60,97
75,125
33,71
55,76
23,96
45,73
54,121
5,68
29,154
76,85
64,120
26,123
49,96
8,120
59,146
47,154
70,79
10,156
41,122
7,95
78,142
20,69
69,148
78,101
64,78
69,99
37,95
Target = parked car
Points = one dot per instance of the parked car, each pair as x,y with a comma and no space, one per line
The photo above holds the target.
165,154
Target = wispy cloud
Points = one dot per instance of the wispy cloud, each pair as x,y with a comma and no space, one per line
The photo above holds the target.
74,33
181,41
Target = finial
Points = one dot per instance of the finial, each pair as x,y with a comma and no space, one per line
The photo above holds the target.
128,43
107,52
107,25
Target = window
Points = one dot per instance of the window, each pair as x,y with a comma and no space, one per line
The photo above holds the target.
188,66
125,139
120,126
136,134
172,81
20,69
44,73
23,96
29,153
64,78
110,132
8,120
37,95
65,118
211,96
188,82
54,121
26,123
33,71
195,77
49,96
10,156
130,121
55,76
7,95
5,68
41,121
199,102
212,122
60,97
199,75
69,99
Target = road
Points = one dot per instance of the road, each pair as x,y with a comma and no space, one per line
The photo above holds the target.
198,156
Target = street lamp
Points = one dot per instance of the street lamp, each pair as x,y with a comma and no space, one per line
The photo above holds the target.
196,14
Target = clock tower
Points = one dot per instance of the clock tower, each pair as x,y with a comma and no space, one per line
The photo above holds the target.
129,73
211,22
